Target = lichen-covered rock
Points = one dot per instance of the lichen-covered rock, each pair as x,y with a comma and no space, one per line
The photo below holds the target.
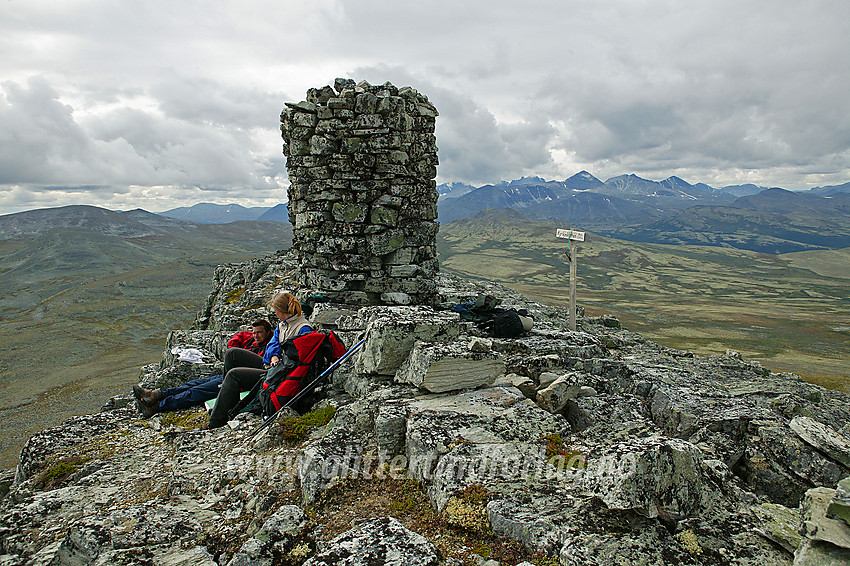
651,547
440,367
541,522
678,458
653,476
839,507
112,489
240,291
275,539
525,384
487,437
76,431
817,553
377,541
394,330
822,437
609,418
783,466
779,524
554,397
815,523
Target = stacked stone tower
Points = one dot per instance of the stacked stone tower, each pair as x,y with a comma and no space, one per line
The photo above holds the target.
362,160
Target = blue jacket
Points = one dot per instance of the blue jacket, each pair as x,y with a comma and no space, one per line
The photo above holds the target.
273,347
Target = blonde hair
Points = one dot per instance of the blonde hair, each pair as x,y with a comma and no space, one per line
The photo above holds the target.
286,302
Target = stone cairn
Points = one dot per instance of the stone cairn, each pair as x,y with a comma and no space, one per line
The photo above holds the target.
362,198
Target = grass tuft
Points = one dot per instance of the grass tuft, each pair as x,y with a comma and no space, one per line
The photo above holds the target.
53,475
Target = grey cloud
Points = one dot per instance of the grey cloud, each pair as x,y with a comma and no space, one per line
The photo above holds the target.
473,146
160,94
44,143
199,99
39,134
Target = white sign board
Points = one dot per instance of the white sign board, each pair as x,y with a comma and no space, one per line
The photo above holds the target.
570,235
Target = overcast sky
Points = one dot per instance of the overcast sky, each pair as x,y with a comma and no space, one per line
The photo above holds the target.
159,104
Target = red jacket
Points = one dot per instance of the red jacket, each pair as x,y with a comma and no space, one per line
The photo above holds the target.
245,339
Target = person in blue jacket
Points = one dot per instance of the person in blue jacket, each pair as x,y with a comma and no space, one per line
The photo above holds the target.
248,368
153,401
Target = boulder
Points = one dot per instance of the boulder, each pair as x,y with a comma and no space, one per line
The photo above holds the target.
817,526
568,386
276,538
822,437
492,438
839,507
609,418
654,476
546,379
817,553
377,541
392,333
442,367
782,466
523,383
779,524
542,523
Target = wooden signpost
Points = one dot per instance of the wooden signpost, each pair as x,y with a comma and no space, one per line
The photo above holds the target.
571,253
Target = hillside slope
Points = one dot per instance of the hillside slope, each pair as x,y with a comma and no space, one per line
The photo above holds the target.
442,445
773,221
782,310
84,306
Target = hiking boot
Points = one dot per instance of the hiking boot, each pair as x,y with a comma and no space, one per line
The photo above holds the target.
146,410
147,396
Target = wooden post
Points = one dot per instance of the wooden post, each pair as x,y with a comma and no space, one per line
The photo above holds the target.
573,290
572,252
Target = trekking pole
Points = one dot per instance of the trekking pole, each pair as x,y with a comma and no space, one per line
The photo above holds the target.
307,389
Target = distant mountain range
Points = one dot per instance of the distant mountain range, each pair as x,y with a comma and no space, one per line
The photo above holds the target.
136,223
207,213
47,251
671,211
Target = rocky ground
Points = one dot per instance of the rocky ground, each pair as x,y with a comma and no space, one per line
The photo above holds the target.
586,447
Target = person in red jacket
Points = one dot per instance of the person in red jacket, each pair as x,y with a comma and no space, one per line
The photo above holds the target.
248,369
153,401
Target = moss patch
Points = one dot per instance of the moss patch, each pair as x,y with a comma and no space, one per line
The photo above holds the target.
468,509
188,419
294,430
53,475
689,540
233,296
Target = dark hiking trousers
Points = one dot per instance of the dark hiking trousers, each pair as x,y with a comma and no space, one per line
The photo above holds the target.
242,370
189,394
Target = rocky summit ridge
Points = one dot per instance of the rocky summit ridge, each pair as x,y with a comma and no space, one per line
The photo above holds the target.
587,447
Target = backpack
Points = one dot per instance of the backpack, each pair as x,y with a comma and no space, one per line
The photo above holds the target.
495,321
304,358
484,303
506,324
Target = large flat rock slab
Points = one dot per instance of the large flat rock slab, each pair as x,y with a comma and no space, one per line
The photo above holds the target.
440,368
